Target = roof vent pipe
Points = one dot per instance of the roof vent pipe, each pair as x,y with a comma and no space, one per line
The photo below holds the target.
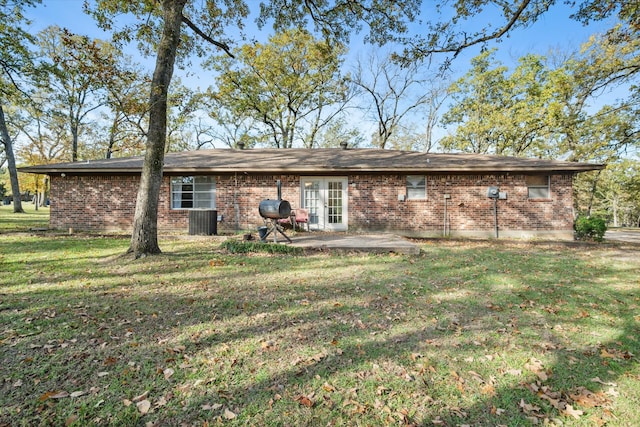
241,145
343,145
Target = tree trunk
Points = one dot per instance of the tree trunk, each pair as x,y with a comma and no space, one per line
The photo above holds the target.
74,138
144,239
112,136
11,163
592,196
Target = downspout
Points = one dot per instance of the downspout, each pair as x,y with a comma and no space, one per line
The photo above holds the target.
236,206
495,215
445,221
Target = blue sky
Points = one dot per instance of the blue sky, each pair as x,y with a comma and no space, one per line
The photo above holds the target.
555,30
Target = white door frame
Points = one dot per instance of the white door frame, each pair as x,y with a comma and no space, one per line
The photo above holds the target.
326,199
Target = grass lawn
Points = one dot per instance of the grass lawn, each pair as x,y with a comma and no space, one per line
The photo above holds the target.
466,333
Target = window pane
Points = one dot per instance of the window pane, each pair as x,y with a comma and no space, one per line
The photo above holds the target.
538,192
416,187
537,180
538,186
188,192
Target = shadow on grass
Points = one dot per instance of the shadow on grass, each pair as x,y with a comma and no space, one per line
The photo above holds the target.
454,336
557,378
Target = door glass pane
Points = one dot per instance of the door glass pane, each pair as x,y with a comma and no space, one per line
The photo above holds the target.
334,202
312,200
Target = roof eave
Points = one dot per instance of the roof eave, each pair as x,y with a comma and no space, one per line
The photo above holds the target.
565,167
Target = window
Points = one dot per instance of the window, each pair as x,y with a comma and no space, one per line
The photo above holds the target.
193,192
416,187
538,186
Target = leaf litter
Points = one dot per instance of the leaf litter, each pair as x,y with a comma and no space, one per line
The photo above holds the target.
379,339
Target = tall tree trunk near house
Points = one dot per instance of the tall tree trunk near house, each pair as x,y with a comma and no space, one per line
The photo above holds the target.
112,137
11,163
144,239
594,187
74,140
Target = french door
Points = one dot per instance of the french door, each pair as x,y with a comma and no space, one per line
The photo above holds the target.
326,201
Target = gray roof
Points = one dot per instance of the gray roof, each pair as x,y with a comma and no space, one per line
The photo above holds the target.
317,161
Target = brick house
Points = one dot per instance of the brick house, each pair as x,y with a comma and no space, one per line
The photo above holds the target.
409,193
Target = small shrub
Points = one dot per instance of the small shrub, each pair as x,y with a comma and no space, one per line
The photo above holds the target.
243,247
590,228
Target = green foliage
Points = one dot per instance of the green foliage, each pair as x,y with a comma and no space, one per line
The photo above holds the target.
542,109
613,193
289,87
235,246
590,228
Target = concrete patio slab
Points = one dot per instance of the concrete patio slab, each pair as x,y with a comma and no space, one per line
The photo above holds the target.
375,243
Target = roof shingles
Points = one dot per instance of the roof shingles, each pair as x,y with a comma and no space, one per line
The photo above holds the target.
318,161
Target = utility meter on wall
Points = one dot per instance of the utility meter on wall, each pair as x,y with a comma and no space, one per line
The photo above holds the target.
493,193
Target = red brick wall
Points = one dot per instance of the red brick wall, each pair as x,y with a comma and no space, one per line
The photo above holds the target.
108,203
93,202
374,204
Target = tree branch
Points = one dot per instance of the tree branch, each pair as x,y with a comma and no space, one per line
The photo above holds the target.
199,32
495,35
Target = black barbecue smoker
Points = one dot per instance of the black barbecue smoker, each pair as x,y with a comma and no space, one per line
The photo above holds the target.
272,211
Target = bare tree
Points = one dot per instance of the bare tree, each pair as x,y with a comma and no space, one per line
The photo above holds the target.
395,92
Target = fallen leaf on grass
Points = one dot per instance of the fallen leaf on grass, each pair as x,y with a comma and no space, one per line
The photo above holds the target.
588,399
269,346
305,401
77,393
535,366
599,381
58,394
612,392
328,388
606,355
497,411
213,407
583,314
168,373
488,389
528,408
143,406
575,413
161,402
228,414
140,397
